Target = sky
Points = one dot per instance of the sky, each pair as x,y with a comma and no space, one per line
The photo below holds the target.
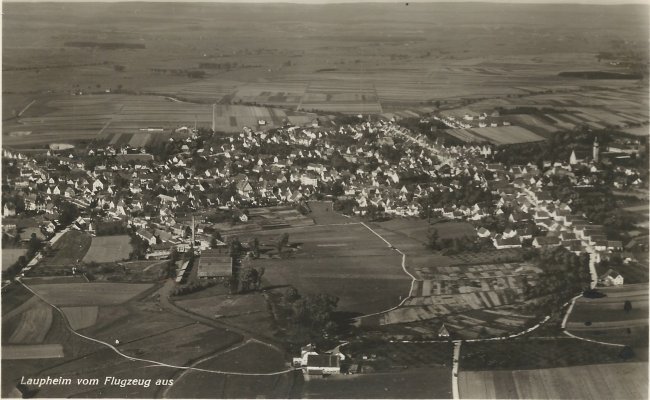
369,1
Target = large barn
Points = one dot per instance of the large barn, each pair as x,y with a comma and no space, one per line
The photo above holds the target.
214,263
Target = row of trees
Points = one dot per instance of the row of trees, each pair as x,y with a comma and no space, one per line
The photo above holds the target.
249,279
307,318
457,245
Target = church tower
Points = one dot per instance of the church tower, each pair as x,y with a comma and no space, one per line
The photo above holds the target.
596,150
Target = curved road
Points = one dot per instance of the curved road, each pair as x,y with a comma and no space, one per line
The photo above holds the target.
154,362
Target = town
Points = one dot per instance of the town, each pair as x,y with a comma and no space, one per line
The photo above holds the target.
270,200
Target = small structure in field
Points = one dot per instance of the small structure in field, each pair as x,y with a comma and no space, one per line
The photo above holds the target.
215,263
611,278
314,363
443,332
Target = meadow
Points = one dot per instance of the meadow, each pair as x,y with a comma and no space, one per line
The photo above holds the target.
10,256
108,249
604,381
605,319
33,324
86,294
425,57
416,383
67,251
346,261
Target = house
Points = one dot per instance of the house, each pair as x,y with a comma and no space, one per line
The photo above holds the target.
159,251
546,241
483,233
146,236
509,243
611,278
323,364
443,332
9,210
215,263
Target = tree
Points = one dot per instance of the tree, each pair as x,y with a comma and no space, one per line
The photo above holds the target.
433,239
284,240
33,246
169,269
627,306
255,247
626,353
216,238
69,213
235,247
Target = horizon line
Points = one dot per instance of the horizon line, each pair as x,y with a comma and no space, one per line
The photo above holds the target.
337,2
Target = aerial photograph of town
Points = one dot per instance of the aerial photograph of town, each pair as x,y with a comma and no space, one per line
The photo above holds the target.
325,199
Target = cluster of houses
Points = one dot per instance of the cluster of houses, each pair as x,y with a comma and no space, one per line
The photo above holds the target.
370,164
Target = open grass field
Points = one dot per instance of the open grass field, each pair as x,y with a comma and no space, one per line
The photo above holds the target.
31,351
253,357
199,385
501,135
86,294
10,256
68,250
13,297
424,54
125,119
33,324
225,305
41,280
605,319
108,249
322,214
418,229
81,317
596,107
403,355
328,260
419,383
608,381
250,356
536,353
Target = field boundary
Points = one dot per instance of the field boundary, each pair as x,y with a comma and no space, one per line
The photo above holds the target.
413,279
566,318
153,362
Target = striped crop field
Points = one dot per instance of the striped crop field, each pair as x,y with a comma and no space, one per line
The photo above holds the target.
599,381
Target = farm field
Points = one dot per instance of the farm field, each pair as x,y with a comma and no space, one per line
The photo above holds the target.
13,297
251,356
10,256
108,249
418,229
600,381
86,294
403,69
639,131
41,280
81,317
136,120
323,214
597,107
224,305
538,353
31,351
201,385
33,324
499,135
418,383
401,355
605,319
327,261
266,218
68,250
144,331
